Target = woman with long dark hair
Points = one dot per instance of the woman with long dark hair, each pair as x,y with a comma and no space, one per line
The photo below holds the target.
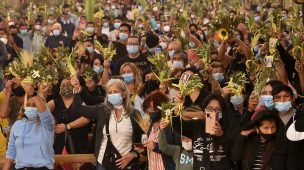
212,151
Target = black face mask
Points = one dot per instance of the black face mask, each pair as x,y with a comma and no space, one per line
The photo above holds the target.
19,91
155,117
175,81
267,137
151,85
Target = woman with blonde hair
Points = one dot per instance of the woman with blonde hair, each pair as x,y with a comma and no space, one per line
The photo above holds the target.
132,76
117,128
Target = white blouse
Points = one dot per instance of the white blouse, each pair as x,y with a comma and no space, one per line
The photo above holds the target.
121,139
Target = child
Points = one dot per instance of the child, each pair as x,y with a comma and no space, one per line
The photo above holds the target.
182,156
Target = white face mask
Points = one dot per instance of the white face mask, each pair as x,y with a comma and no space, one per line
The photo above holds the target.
163,45
37,27
187,145
166,28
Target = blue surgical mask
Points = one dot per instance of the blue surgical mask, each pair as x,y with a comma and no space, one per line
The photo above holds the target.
219,77
31,113
90,30
237,100
257,18
178,64
117,25
132,49
283,106
128,78
90,49
115,99
123,36
171,53
98,69
267,100
23,32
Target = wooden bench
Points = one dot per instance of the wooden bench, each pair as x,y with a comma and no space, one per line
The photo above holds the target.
77,160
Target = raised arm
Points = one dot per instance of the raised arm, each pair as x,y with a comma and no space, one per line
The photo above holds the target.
5,109
90,112
45,115
171,150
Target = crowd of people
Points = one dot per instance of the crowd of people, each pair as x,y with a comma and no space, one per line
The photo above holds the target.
158,85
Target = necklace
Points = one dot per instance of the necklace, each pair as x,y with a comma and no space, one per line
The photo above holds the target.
118,121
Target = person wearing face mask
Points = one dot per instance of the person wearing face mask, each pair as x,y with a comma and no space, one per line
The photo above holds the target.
57,39
113,35
32,136
106,27
117,127
133,78
38,37
220,138
157,158
256,147
173,47
163,42
217,70
179,60
68,122
283,98
66,9
26,37
134,55
90,29
67,26
182,155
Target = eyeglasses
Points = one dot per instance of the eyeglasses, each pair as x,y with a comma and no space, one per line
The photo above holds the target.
212,109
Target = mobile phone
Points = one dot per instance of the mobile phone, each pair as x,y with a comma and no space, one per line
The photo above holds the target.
211,118
184,78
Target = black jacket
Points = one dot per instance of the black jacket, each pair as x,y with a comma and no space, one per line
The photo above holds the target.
250,145
100,113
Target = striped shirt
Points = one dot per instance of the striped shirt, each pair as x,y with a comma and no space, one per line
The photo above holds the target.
258,162
155,159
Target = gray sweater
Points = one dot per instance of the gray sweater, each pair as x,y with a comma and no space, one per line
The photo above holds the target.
182,158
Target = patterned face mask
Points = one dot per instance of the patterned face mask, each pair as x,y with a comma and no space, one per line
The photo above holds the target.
66,91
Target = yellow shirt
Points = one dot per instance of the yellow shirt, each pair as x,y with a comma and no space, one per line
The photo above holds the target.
3,123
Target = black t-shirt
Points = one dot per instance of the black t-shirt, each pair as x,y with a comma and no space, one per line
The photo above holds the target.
141,62
55,41
121,52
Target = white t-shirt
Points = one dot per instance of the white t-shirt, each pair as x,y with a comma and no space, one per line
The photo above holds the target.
122,139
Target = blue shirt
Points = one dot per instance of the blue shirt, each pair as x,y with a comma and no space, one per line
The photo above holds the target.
31,142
